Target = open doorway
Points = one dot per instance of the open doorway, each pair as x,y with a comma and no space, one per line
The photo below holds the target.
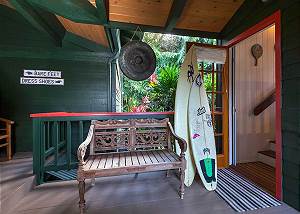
255,105
254,109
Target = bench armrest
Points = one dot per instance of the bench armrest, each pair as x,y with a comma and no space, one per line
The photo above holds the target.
182,143
83,146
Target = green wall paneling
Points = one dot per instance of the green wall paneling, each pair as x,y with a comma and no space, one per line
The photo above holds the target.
85,89
15,30
84,67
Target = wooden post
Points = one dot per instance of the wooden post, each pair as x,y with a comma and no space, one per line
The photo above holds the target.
7,136
69,141
8,140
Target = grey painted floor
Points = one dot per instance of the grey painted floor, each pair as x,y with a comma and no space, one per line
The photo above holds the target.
147,193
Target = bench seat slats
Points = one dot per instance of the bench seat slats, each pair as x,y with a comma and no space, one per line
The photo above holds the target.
116,160
146,158
109,161
95,163
163,156
122,160
102,162
158,157
89,162
141,158
129,159
168,154
134,158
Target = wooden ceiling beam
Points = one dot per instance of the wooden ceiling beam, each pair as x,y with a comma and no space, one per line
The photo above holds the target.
156,29
54,53
81,11
174,15
102,7
42,20
113,36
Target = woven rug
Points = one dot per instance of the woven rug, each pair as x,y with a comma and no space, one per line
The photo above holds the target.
64,175
241,194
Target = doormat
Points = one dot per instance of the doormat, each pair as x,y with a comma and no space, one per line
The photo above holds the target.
241,194
64,175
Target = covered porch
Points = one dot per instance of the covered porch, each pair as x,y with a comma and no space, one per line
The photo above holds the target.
81,41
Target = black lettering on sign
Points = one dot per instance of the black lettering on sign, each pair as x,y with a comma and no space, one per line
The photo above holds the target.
201,111
28,72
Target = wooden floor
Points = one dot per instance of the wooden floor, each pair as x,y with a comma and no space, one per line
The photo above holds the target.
259,173
146,193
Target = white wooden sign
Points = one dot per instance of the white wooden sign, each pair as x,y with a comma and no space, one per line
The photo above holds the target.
40,81
42,73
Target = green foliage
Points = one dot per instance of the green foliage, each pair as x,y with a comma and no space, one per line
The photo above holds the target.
162,96
133,92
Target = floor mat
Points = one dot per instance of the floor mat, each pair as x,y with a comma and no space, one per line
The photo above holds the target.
241,194
64,175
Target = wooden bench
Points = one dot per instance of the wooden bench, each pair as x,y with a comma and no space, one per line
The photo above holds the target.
5,134
120,147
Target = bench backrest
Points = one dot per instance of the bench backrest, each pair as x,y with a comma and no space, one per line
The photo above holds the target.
131,134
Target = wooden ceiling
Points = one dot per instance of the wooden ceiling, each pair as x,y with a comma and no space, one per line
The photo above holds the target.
184,17
145,12
201,15
207,15
6,3
95,33
93,2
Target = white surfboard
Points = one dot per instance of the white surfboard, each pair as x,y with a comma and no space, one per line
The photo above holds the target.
186,75
202,134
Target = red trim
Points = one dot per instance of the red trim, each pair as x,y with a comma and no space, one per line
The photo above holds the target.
278,73
254,29
86,114
273,19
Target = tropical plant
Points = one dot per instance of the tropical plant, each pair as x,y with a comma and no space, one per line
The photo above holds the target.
162,94
133,93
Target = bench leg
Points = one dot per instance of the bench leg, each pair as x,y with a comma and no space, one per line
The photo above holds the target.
8,151
168,173
93,181
81,186
181,188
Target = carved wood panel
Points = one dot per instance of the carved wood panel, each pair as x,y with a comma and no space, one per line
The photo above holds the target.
130,134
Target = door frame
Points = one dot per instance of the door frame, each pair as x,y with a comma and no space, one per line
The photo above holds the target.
274,19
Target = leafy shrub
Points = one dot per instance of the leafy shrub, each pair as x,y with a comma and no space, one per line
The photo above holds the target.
162,94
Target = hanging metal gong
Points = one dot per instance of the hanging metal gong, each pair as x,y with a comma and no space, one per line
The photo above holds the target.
137,60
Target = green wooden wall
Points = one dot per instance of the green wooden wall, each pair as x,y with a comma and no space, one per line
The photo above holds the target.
249,14
86,75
